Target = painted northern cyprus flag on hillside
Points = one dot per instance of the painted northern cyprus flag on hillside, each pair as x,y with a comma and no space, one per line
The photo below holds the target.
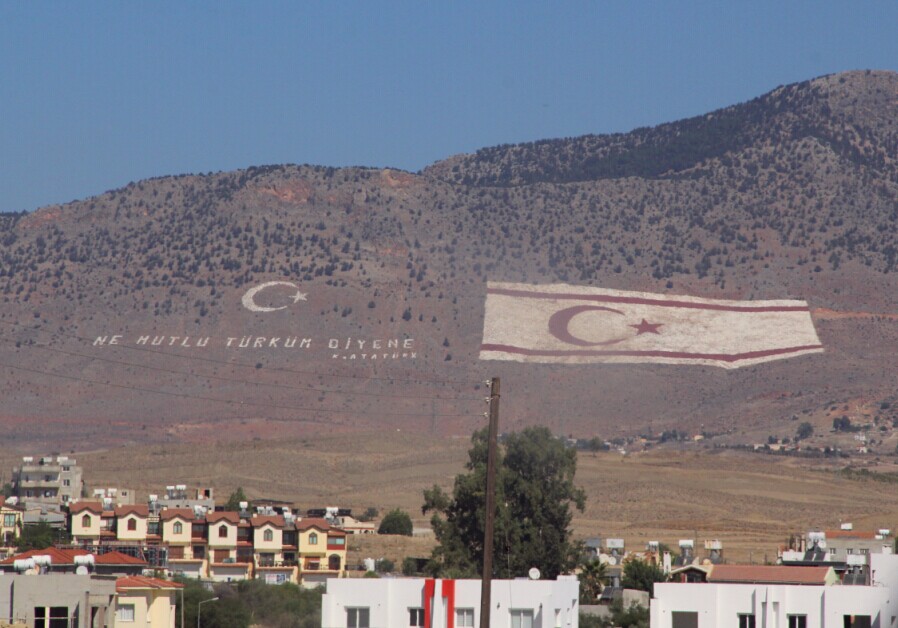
581,325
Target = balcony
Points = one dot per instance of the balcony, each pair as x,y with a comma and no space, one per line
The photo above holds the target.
274,564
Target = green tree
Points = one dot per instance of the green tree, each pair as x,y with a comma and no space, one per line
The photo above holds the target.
634,616
804,431
534,494
233,503
592,580
642,575
396,522
40,536
6,491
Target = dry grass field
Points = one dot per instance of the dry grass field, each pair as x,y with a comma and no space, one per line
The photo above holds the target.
749,501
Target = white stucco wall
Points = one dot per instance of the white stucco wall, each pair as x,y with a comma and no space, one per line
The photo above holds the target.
389,601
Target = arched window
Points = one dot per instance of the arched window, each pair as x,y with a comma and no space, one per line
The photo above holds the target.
333,562
132,524
222,532
178,528
85,521
268,536
313,539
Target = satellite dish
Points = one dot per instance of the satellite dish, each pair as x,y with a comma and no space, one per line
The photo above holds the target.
82,570
533,573
612,560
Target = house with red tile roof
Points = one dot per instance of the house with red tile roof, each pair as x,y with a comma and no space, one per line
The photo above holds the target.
779,595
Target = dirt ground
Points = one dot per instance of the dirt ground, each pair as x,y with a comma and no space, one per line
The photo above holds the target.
749,501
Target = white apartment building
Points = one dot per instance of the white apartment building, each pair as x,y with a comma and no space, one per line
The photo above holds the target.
435,603
757,596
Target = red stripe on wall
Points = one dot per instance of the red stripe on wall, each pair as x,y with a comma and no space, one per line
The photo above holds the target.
449,593
607,298
722,357
430,586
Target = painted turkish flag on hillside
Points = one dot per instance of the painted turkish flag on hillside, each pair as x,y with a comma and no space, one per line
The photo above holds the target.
582,325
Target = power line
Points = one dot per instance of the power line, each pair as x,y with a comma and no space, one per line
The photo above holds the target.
217,399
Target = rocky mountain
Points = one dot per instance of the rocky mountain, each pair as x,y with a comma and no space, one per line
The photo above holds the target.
105,302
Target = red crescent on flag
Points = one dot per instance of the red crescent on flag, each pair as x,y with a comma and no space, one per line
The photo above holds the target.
561,320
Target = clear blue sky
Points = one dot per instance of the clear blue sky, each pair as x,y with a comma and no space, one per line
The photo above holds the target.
94,95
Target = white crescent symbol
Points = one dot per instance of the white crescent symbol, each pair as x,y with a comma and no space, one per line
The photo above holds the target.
249,300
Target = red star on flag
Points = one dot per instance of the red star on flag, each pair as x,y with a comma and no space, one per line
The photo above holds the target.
646,327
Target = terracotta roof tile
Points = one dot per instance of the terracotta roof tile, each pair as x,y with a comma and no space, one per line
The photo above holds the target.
230,517
849,534
57,556
141,510
184,513
769,574
143,582
95,507
117,558
313,522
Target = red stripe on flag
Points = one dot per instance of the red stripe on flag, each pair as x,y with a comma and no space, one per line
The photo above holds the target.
607,298
722,357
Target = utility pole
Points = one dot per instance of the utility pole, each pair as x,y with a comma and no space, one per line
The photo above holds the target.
492,445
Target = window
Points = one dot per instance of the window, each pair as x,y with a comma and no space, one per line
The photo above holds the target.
85,521
132,524
178,528
222,532
313,539
339,540
798,621
358,618
66,482
268,536
464,618
832,551
684,619
199,552
849,551
124,612
416,617
9,520
864,550
746,621
333,562
857,621
521,618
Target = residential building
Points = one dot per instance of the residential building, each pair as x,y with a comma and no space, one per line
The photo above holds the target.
11,522
230,552
86,522
429,603
59,599
145,602
177,496
68,560
49,481
767,596
322,551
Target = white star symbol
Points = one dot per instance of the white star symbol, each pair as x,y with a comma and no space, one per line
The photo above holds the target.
300,296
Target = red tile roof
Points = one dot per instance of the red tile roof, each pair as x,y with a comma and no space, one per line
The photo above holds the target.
768,574
849,534
141,510
117,558
313,522
142,582
57,556
172,513
230,517
94,507
260,520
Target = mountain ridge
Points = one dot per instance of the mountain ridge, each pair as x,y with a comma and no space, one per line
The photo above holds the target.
803,204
